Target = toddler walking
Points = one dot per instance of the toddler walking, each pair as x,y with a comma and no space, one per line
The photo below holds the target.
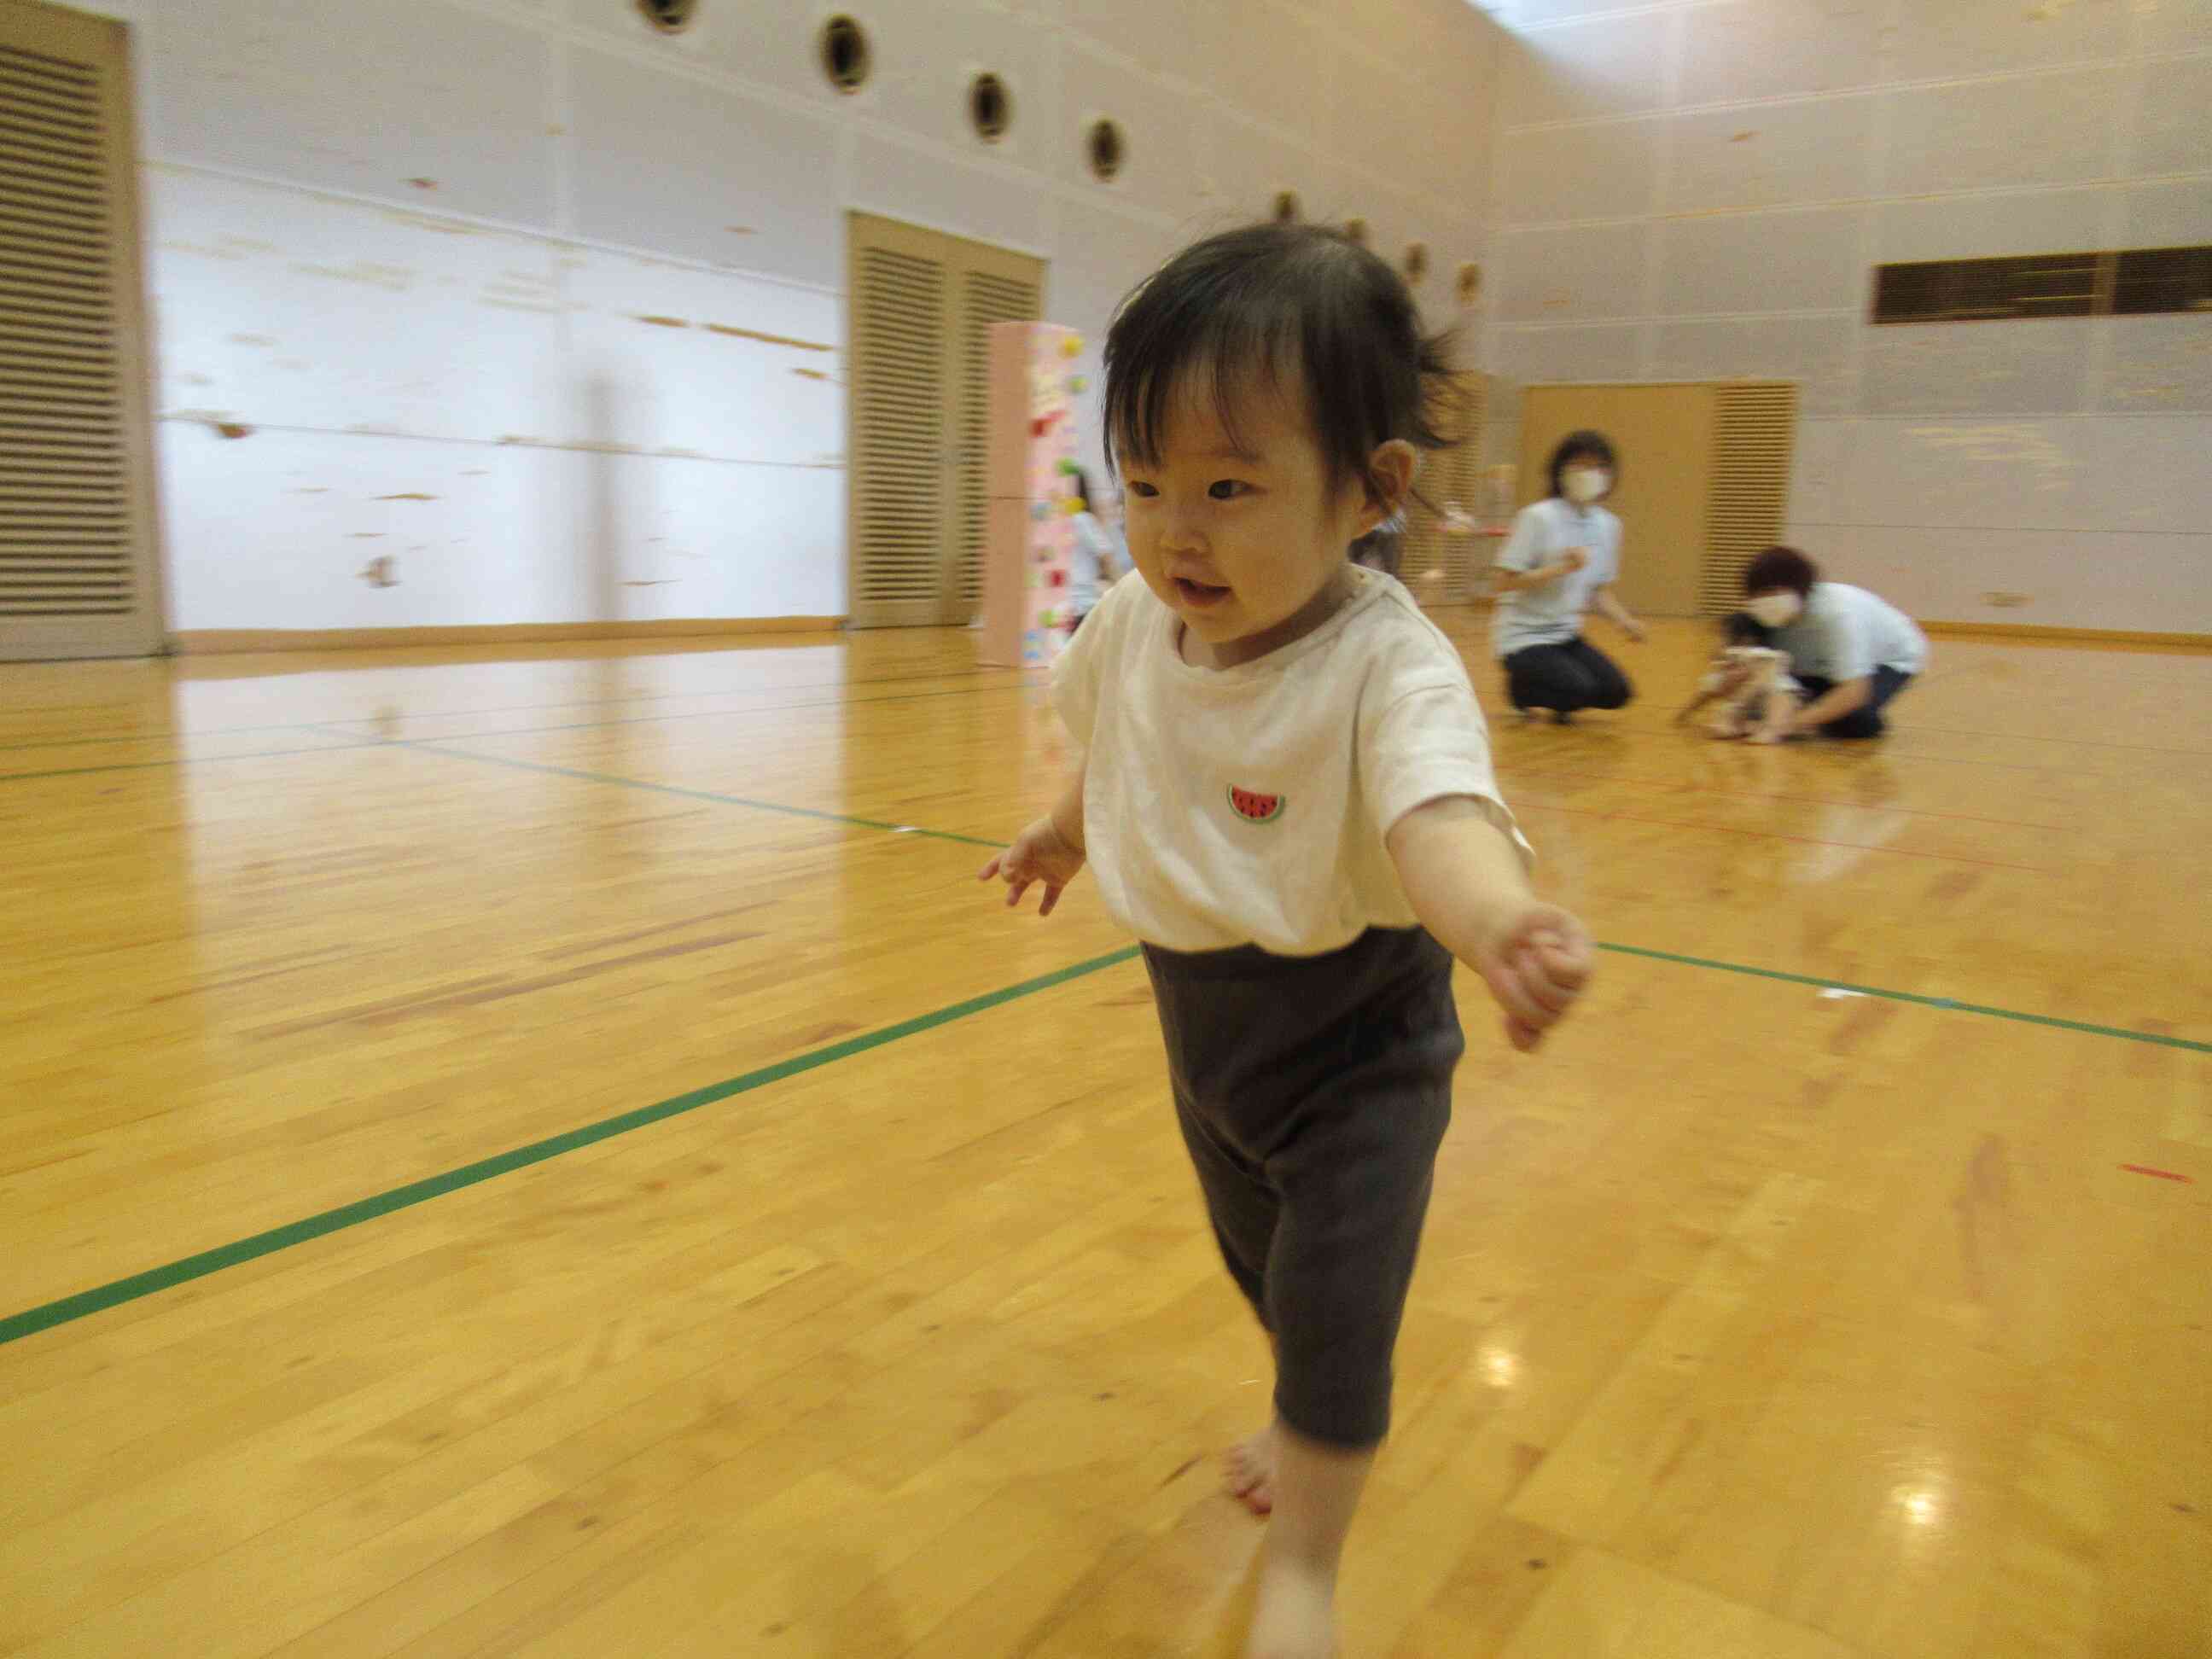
1287,795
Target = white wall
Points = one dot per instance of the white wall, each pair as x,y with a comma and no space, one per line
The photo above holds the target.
408,244
1700,188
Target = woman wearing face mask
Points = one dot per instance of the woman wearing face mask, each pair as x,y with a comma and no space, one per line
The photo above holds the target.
1560,562
1852,653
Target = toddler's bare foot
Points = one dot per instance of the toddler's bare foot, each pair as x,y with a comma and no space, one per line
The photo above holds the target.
1295,1617
1248,1472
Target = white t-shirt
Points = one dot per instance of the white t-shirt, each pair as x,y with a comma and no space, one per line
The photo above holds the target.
1247,805
1737,659
1553,614
1846,633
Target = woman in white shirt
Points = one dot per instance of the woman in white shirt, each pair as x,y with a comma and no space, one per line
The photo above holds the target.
1560,562
1852,653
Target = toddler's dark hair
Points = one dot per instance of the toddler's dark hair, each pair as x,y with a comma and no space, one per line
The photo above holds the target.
1278,301
1585,446
1780,568
1741,628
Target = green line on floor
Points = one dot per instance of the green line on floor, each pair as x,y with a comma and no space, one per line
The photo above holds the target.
100,1299
1949,1005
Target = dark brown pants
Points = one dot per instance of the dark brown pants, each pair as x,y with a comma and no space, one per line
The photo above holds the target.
1313,1093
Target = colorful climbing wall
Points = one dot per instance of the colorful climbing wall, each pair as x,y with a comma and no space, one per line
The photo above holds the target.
1031,536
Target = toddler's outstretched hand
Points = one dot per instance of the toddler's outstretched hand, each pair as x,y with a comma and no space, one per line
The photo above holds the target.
1535,967
1042,854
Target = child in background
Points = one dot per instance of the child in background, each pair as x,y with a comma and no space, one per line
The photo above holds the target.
1752,682
1287,795
1099,554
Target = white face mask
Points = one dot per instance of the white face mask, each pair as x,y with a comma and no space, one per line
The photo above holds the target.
1775,610
1586,485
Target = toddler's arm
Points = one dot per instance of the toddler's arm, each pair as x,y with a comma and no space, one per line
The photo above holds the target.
1463,875
1718,682
1050,851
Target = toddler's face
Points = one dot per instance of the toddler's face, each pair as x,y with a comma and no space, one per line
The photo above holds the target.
1241,532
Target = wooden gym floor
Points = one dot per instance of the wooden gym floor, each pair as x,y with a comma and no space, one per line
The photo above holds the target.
551,1153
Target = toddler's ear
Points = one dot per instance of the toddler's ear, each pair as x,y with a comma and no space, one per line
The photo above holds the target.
1389,479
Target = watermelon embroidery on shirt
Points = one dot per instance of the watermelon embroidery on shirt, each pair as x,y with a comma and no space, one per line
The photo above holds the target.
1256,808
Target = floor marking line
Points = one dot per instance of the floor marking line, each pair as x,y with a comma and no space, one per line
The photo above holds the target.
1948,1005
436,746
102,1298
204,760
98,1299
715,714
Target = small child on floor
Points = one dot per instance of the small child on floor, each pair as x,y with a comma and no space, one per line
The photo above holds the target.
1287,795
1752,683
